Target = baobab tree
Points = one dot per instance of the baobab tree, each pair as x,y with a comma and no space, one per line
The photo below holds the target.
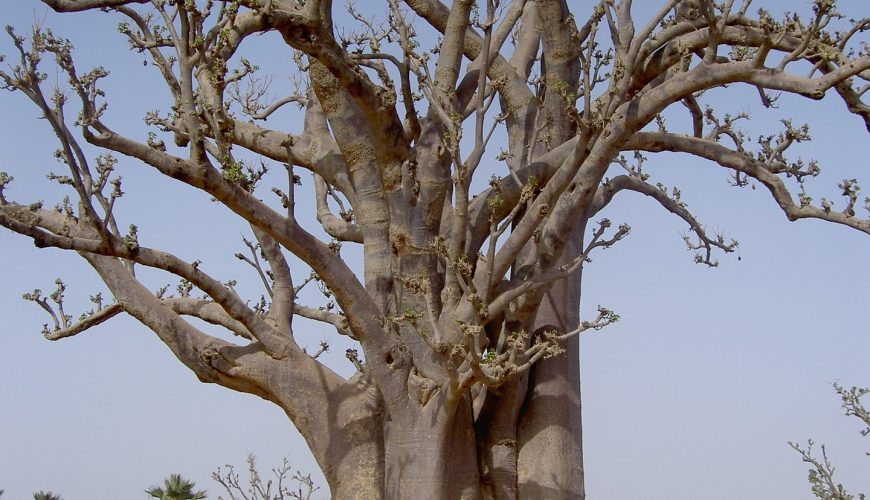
466,309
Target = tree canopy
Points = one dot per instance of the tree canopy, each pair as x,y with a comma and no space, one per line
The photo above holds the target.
471,174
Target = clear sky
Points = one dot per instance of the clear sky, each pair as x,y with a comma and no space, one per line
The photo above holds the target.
692,395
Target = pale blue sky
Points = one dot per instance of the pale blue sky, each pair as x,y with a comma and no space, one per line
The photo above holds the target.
692,395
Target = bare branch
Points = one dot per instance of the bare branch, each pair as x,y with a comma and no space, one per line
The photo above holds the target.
341,228
12,216
88,322
751,166
705,243
852,405
208,311
821,475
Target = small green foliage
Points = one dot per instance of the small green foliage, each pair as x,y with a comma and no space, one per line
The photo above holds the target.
131,240
154,142
608,315
60,179
495,202
549,344
850,190
57,295
821,473
462,265
489,356
852,405
438,245
184,288
826,205
46,495
233,171
65,207
98,300
821,7
412,315
34,296
417,284
468,329
5,179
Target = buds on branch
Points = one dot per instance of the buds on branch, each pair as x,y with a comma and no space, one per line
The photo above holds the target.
63,325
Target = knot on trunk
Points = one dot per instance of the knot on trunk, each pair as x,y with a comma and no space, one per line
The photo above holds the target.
422,387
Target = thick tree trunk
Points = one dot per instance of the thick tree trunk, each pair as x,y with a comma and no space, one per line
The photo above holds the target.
550,462
431,453
497,440
353,461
